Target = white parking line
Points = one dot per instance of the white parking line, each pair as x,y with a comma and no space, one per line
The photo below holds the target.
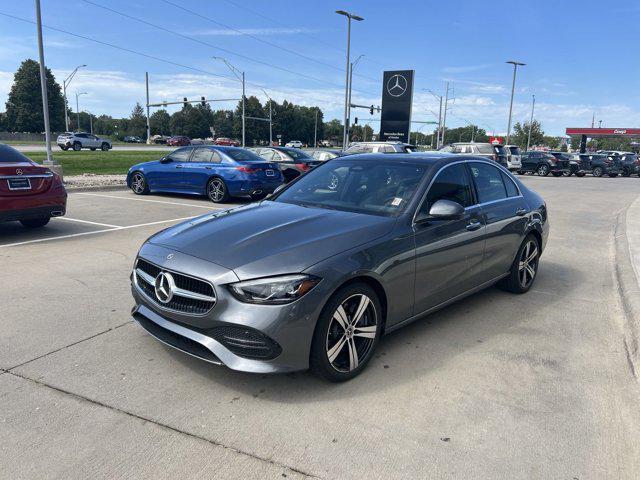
208,207
61,237
90,223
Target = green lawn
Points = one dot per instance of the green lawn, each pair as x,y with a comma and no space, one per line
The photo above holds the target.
98,162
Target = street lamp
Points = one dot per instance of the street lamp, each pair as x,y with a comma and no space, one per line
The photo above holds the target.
43,86
350,17
78,108
90,121
439,98
533,106
65,84
515,64
240,76
270,118
353,65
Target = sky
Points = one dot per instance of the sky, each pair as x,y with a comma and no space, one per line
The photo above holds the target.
578,54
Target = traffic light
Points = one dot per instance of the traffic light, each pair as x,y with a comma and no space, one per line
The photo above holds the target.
355,121
371,110
184,101
203,101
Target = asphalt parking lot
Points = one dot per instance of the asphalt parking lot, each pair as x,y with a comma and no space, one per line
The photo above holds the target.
495,386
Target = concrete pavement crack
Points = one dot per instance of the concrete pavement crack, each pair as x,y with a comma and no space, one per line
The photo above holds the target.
162,425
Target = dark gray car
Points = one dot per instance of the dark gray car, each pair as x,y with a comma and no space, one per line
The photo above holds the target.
313,276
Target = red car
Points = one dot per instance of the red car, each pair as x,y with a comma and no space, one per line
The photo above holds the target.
227,142
29,193
179,141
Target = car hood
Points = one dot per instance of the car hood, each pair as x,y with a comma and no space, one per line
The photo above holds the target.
271,238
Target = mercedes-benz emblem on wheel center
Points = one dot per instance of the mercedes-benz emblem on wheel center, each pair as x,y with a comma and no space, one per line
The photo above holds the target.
397,85
18,171
164,286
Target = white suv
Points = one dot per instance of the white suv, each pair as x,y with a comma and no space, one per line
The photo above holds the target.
294,144
514,157
78,141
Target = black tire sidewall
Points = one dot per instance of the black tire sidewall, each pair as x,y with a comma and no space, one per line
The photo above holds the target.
145,190
512,282
224,185
35,222
319,362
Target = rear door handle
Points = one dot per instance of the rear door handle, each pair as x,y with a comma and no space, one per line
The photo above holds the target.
178,166
521,212
474,226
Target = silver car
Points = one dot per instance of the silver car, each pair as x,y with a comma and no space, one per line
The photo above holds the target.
313,276
78,141
514,157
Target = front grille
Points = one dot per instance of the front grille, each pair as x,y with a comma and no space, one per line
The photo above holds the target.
246,342
192,296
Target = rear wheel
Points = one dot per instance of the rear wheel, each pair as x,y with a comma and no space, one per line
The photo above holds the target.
556,174
77,146
139,184
524,268
580,174
612,175
626,172
217,190
104,147
543,170
64,148
347,333
567,174
35,222
597,172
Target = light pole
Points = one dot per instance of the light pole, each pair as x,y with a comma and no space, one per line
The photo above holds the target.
599,123
90,121
315,131
353,64
43,86
78,108
240,76
65,84
439,98
270,119
350,17
533,106
515,64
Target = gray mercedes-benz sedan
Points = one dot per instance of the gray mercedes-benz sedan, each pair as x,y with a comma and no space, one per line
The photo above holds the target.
357,247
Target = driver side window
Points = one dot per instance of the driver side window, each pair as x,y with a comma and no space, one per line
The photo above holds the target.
452,184
180,155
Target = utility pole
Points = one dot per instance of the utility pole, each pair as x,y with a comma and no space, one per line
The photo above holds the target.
240,76
146,79
90,121
599,123
78,108
315,131
533,106
270,118
444,118
43,86
593,119
65,84
513,86
439,98
353,64
349,16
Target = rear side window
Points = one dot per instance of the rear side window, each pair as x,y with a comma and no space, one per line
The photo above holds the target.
485,148
488,181
11,155
512,190
452,183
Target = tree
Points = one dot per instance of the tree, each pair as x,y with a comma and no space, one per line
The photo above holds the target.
521,133
138,122
255,130
333,131
160,122
223,123
24,103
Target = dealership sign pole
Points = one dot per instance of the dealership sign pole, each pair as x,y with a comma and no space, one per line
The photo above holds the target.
43,86
397,98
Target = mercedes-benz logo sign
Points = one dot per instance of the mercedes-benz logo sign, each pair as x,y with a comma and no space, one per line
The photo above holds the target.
397,85
164,286
18,171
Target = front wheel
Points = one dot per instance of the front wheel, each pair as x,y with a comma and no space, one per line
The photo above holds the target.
217,190
139,184
77,146
543,170
524,268
35,222
567,174
580,174
626,172
598,172
104,147
64,148
347,333
556,174
612,175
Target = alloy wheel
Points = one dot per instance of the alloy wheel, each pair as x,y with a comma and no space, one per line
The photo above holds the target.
137,183
528,264
216,190
543,170
352,332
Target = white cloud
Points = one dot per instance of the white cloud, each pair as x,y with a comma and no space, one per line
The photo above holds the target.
255,31
466,68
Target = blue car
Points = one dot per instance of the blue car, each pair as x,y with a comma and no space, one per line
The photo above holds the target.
215,171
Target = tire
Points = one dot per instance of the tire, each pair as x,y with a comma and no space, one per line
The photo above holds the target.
520,172
612,175
139,184
93,149
258,196
567,174
104,147
65,148
597,172
35,222
556,174
580,174
217,190
77,146
342,344
626,172
543,170
522,276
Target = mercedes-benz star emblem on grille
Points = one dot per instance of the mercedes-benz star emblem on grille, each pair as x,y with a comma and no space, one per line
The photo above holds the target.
164,286
170,256
18,171
397,85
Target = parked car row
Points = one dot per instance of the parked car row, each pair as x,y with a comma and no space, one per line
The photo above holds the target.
565,164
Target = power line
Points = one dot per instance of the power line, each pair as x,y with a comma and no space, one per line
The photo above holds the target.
255,37
202,42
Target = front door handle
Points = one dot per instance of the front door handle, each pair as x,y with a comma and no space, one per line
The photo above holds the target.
521,212
474,226
178,166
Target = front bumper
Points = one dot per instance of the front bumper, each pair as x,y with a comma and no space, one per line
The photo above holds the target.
290,326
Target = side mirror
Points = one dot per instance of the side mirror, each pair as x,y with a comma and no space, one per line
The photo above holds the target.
166,160
442,210
278,189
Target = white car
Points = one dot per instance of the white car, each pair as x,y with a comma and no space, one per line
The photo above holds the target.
294,144
78,141
514,157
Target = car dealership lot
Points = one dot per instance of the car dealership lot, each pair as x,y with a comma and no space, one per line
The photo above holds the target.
495,386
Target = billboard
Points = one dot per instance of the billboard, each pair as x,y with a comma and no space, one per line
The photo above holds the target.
397,97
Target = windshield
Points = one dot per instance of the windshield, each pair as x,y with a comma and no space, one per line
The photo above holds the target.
514,150
242,155
373,187
296,154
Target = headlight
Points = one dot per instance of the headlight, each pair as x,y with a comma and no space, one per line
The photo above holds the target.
274,290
